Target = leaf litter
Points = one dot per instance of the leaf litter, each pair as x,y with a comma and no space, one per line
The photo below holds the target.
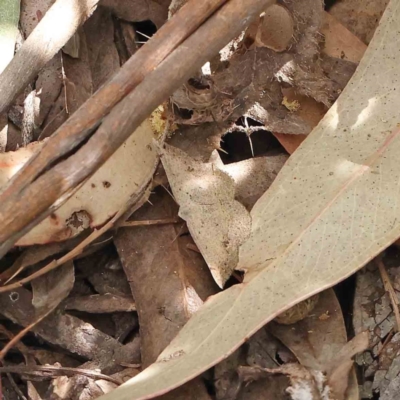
158,271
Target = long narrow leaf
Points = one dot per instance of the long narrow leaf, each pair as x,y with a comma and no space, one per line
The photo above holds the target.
333,207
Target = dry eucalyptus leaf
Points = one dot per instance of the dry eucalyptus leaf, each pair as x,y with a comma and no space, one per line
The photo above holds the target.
217,222
331,209
103,195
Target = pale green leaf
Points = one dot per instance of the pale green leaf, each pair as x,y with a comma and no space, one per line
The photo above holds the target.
9,17
333,207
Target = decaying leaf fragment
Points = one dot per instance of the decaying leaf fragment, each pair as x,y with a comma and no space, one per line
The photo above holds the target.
217,222
331,209
103,195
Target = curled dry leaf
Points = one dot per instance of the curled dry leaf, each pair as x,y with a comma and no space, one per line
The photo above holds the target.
103,195
276,28
317,340
217,222
329,211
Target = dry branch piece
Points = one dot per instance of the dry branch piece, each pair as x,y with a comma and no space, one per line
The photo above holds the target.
121,177
41,45
45,194
51,371
79,126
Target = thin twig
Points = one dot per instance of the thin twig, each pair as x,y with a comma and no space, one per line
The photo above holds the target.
76,251
42,44
386,341
18,213
51,371
15,387
20,346
82,123
165,221
389,288
13,342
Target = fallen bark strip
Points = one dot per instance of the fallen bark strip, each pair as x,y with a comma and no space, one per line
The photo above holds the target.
49,372
78,127
20,212
55,29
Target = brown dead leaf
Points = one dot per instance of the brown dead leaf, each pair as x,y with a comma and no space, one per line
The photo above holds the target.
139,10
169,282
50,81
103,55
218,223
51,289
314,342
339,43
77,86
77,76
321,344
360,16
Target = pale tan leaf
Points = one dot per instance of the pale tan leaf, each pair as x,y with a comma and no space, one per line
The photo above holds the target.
102,196
332,208
217,222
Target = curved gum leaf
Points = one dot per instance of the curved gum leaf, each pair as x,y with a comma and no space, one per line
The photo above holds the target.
333,207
